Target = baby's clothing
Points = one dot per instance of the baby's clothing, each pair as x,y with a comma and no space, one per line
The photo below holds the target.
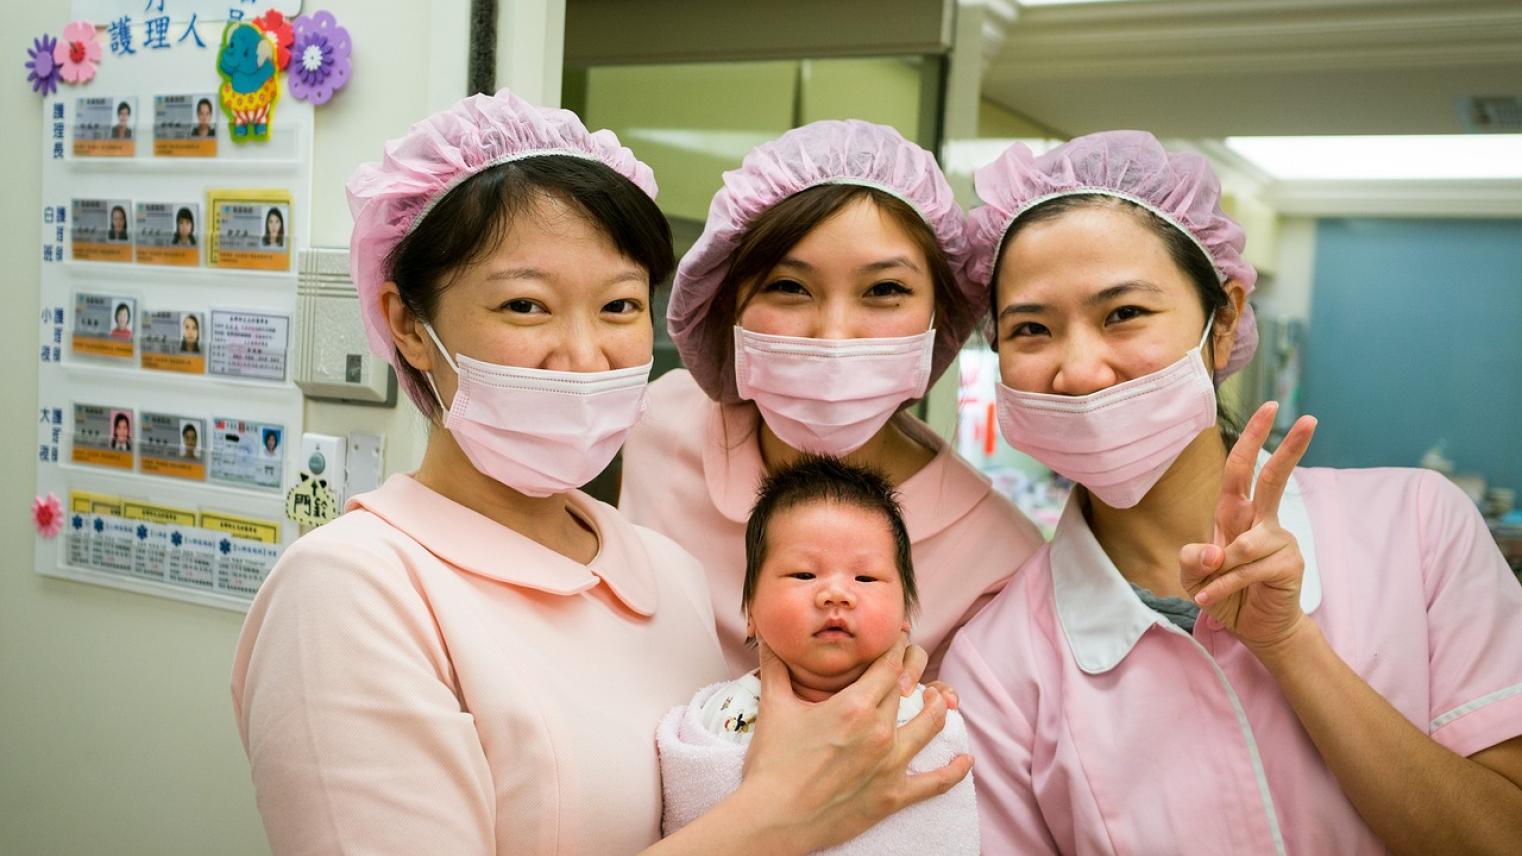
730,712
702,749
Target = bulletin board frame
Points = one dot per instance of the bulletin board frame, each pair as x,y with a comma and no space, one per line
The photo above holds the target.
251,527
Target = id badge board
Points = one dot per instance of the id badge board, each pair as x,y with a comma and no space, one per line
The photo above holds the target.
168,290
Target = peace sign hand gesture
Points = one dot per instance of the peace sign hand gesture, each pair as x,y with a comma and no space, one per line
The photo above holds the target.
1248,577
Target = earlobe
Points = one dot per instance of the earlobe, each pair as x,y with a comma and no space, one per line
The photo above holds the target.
406,332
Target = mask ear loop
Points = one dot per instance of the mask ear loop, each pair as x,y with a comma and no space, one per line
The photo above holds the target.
1204,337
443,352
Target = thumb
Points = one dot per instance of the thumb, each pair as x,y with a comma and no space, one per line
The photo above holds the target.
1198,561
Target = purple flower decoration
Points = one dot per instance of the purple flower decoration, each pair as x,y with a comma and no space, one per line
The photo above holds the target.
319,58
42,71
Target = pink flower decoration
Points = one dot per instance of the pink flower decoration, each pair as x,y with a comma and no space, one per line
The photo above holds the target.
47,515
277,29
321,64
77,52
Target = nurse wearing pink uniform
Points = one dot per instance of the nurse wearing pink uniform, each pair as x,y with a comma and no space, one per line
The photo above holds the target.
1304,661
821,300
474,658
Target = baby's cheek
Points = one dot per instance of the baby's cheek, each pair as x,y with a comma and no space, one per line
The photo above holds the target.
879,627
785,626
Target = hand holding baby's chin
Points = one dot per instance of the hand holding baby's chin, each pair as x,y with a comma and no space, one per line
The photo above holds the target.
839,766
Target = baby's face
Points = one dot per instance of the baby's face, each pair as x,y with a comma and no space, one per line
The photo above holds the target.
828,598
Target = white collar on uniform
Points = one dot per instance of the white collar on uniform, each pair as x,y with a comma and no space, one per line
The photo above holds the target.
1099,612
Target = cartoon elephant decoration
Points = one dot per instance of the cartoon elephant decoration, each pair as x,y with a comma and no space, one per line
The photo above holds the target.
250,86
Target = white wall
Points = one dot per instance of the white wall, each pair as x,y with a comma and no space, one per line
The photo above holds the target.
116,730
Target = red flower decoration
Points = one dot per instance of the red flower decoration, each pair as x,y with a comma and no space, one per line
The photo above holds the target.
278,30
47,515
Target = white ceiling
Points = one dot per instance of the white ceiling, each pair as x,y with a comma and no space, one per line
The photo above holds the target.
1217,68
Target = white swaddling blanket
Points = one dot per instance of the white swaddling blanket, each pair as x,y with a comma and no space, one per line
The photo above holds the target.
700,768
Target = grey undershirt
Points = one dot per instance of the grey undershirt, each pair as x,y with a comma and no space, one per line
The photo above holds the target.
1177,610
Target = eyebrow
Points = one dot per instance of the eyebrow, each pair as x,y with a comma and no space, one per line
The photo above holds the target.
869,267
516,273
533,273
1095,299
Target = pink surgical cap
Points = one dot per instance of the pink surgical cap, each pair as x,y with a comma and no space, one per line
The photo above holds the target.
388,199
1178,187
827,152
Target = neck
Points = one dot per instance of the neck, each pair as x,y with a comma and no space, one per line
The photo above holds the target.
891,451
548,520
1144,541
820,688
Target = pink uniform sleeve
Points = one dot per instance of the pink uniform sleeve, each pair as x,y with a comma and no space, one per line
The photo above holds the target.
1001,736
344,695
1474,624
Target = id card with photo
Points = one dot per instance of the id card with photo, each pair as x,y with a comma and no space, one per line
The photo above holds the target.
171,341
173,446
249,345
101,230
167,233
247,453
105,126
250,230
104,325
104,436
185,125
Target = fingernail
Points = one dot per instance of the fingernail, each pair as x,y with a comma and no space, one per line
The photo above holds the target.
905,683
1201,598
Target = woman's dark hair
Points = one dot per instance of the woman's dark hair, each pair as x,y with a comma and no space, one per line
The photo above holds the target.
204,102
120,418
471,221
821,478
184,214
189,428
124,106
120,308
775,231
1186,254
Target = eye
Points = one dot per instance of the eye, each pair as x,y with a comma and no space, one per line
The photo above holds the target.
623,306
522,306
785,286
1125,313
889,288
801,575
865,578
1026,329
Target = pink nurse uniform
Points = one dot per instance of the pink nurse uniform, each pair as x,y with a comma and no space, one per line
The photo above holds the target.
1100,727
691,470
415,678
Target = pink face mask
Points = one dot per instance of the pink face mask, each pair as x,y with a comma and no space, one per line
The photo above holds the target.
829,396
540,432
1119,441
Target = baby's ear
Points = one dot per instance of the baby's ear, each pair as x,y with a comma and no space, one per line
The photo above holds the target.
905,628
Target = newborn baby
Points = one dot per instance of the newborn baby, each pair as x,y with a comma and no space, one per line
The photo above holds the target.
829,587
